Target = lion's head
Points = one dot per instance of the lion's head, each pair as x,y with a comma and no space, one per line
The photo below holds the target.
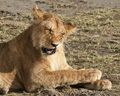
49,31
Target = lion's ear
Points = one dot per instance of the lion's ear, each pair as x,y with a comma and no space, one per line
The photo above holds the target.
37,14
70,28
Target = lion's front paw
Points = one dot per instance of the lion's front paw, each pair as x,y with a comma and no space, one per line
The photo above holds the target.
91,75
99,85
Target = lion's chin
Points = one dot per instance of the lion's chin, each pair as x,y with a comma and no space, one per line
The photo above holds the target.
48,51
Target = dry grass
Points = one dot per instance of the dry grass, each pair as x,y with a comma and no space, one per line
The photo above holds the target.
96,43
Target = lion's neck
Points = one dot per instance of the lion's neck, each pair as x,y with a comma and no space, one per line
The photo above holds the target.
58,61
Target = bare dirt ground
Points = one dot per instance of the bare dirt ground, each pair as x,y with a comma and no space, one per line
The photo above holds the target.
96,44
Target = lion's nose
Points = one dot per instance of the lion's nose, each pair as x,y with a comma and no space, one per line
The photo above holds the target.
54,45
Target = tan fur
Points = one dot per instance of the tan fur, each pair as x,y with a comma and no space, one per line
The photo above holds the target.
23,64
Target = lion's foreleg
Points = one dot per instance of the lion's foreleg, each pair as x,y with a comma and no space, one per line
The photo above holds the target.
53,79
69,77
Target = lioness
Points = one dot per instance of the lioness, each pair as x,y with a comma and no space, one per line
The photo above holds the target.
36,58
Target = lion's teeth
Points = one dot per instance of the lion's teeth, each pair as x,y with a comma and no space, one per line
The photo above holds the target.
49,52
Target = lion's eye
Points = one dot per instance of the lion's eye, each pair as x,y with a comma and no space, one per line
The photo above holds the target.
63,33
50,31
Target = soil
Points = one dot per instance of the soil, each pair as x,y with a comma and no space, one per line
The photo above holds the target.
96,43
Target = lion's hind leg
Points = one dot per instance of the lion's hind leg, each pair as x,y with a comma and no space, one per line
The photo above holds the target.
5,82
4,90
4,87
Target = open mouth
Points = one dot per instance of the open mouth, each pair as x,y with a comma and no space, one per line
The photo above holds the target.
48,51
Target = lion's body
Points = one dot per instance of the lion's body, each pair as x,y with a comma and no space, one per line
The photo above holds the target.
29,61
20,55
